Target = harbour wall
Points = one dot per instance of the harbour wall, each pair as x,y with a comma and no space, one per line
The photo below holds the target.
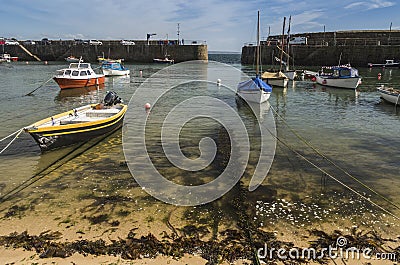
140,52
331,48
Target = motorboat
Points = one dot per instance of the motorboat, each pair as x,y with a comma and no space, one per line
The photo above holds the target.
5,57
390,94
72,59
114,69
78,75
388,63
341,76
165,60
255,89
80,124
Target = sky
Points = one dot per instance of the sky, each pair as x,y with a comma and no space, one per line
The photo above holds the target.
224,25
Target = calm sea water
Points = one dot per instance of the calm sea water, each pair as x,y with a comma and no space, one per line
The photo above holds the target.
359,132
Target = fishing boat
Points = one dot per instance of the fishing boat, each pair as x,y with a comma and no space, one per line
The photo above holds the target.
165,60
390,94
255,90
80,124
388,63
114,69
341,76
72,59
78,75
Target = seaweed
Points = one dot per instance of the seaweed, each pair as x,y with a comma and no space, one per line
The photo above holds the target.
234,244
16,210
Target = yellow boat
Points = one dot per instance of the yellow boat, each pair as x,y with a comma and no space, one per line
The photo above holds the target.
80,124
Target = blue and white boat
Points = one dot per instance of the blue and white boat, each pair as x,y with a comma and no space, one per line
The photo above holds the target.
255,90
114,69
342,76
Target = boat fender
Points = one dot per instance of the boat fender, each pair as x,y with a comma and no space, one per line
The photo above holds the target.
324,81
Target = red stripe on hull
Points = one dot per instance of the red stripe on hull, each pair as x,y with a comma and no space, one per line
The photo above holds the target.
65,83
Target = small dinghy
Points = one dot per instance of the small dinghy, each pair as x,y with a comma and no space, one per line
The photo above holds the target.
79,125
390,94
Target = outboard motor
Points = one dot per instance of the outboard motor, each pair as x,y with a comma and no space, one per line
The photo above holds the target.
111,98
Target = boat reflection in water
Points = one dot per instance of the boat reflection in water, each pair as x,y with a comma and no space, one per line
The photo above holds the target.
337,95
79,93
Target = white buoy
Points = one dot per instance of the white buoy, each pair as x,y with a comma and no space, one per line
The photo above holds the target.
140,73
219,82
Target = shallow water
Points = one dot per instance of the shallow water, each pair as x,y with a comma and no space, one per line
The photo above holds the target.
359,132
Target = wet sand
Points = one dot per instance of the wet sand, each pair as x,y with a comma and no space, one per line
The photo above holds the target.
94,197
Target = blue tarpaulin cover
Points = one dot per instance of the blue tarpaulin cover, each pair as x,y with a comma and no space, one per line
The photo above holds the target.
254,84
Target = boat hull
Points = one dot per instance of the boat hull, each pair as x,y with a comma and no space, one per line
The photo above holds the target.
348,82
254,96
63,135
291,75
280,82
163,61
383,65
110,72
66,83
390,96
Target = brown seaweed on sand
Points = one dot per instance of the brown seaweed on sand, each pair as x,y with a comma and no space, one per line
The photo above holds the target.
232,244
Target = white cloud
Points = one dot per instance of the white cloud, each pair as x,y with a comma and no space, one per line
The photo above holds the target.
374,4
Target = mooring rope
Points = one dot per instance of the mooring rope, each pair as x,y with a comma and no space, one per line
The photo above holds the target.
30,93
338,181
333,163
18,133
10,135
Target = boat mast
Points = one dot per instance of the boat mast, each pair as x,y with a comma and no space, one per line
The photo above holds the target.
288,45
258,43
282,45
